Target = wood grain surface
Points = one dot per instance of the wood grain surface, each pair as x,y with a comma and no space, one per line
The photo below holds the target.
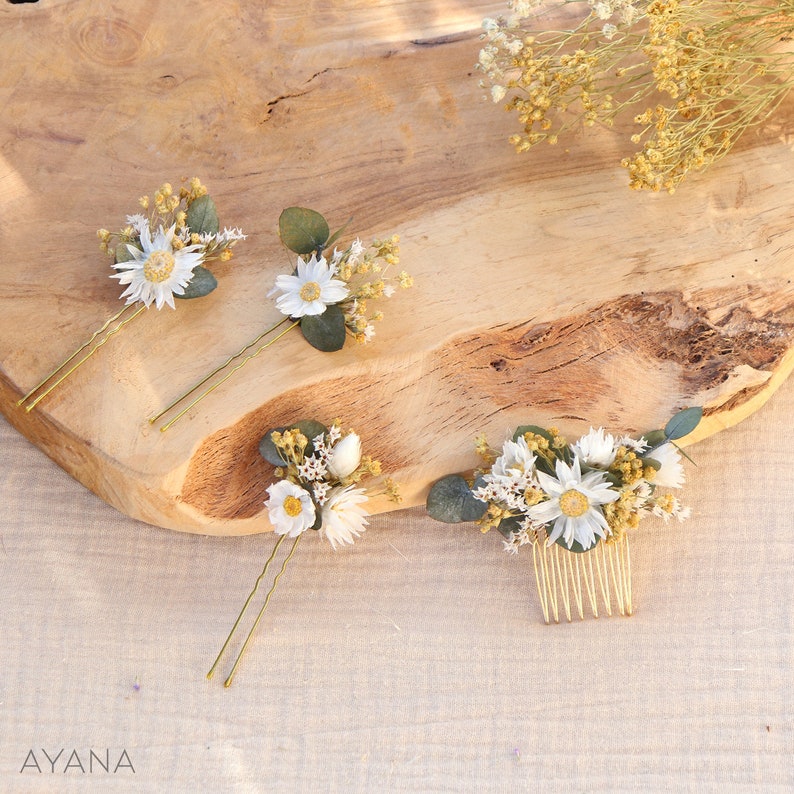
546,291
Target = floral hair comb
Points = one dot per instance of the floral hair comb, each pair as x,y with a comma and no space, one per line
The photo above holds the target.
159,256
320,469
327,298
574,504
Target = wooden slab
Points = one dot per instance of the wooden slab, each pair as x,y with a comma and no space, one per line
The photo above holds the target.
546,291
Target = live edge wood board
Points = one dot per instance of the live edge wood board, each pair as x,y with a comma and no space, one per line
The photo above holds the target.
546,291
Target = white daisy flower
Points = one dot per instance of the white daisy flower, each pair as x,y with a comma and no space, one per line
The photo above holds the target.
671,473
158,272
597,449
343,518
516,464
311,290
574,504
290,508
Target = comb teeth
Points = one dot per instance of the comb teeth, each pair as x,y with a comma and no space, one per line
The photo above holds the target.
570,583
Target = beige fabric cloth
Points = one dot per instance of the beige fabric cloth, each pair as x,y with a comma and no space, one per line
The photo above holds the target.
414,661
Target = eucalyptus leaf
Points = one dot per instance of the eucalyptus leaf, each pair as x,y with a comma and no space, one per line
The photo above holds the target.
309,427
450,500
547,467
123,254
538,431
652,463
201,283
577,547
202,217
655,438
303,230
269,451
683,423
335,236
318,513
325,331
509,526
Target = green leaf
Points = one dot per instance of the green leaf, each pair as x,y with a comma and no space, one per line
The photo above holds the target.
450,500
309,427
509,526
577,547
123,253
335,236
655,438
303,230
683,423
201,284
546,466
538,431
318,513
269,451
652,462
202,217
325,331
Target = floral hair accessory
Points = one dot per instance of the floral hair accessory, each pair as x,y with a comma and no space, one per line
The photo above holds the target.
575,504
327,297
159,256
693,75
320,470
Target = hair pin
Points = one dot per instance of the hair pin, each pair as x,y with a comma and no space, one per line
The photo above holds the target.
159,256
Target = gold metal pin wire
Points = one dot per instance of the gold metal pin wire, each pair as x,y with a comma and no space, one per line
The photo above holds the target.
214,372
575,580
228,682
87,344
226,377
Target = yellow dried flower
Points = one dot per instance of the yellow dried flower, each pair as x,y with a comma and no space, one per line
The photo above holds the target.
719,63
406,281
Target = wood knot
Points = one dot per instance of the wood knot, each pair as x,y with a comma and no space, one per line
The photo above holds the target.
109,41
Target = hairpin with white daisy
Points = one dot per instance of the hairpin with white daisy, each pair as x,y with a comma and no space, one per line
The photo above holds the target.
575,504
327,297
159,256
320,469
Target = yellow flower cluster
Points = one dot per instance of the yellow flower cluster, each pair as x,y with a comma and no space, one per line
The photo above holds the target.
169,208
291,445
719,62
629,468
622,515
372,261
